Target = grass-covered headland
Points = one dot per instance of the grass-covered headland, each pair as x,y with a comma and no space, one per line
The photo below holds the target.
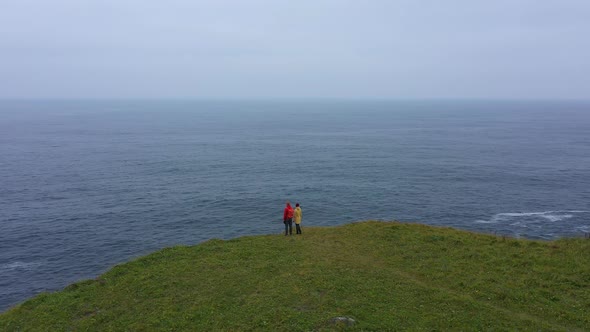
385,276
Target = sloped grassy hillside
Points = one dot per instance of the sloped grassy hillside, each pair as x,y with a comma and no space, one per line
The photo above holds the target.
385,276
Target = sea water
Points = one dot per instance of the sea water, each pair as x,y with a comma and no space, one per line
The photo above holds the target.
88,184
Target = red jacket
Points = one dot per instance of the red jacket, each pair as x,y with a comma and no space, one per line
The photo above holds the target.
288,214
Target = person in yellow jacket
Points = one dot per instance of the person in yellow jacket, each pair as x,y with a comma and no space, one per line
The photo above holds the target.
297,218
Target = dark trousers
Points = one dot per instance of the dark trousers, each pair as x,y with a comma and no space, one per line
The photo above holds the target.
298,227
288,226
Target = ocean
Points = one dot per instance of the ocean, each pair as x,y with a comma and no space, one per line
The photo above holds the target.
85,185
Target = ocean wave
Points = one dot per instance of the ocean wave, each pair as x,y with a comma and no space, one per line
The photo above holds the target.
519,224
553,216
19,266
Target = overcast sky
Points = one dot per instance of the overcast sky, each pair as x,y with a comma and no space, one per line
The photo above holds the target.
291,49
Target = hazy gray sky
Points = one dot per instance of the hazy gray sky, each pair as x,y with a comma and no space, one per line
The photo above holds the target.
276,48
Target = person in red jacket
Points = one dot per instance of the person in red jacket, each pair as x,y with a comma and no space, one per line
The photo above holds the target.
288,219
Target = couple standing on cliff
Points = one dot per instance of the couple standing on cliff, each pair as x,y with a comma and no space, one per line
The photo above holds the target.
290,215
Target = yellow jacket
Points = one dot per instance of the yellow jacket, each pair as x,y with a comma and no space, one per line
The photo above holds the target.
297,215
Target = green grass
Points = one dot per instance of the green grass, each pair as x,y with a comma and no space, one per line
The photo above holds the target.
387,276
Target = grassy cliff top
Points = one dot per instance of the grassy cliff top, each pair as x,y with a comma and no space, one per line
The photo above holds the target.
382,275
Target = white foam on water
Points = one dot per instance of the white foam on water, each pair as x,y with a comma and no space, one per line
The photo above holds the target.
19,265
520,214
552,216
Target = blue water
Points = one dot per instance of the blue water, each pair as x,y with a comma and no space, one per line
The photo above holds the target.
85,185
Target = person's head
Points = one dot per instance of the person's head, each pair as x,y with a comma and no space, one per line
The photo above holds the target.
288,203
297,205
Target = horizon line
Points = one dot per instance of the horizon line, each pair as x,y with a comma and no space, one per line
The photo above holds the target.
241,99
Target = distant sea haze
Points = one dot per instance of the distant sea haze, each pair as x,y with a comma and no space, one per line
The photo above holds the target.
88,184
